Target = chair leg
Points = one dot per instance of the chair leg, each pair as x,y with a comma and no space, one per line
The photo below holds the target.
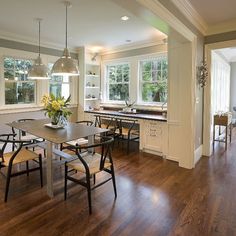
27,167
128,144
41,170
65,187
8,182
113,180
89,193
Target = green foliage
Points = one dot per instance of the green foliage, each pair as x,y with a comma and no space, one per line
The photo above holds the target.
55,107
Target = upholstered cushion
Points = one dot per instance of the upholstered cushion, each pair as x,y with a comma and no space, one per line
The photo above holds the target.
23,156
79,142
93,162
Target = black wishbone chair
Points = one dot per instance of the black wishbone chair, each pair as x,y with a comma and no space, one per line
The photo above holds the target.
90,164
24,136
21,155
78,142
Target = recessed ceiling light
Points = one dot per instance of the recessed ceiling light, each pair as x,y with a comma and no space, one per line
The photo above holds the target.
124,18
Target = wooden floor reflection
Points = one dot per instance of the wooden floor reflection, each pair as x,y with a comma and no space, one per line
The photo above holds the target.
155,197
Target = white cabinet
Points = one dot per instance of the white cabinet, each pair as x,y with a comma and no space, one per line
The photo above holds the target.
92,86
153,137
89,81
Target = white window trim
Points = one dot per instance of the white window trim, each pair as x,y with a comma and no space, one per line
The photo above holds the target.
139,100
106,84
42,87
134,81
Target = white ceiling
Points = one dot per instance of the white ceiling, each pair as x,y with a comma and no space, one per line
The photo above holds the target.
215,11
90,23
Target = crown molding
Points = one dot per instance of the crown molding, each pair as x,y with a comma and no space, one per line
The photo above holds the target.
222,27
192,15
31,41
140,44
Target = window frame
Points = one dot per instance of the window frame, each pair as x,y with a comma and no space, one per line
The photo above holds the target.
141,82
42,86
3,97
106,81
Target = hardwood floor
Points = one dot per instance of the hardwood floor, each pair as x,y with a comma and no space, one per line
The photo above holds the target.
155,197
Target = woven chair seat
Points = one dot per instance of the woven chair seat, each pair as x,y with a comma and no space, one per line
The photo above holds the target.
23,156
78,142
125,131
93,162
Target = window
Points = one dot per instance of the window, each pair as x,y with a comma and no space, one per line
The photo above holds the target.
220,74
59,85
117,82
18,89
153,80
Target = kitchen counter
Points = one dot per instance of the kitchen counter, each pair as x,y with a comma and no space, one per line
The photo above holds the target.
137,115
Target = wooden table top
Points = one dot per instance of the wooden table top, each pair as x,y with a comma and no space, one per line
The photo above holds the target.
70,132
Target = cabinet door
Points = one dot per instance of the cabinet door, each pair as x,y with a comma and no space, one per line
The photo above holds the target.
153,136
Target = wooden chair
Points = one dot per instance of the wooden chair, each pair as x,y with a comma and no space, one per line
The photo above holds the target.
90,164
34,140
21,155
78,142
106,122
128,131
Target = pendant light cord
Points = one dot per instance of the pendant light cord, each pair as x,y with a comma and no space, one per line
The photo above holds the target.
39,36
66,24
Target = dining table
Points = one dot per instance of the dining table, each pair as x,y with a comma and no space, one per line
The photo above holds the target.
53,137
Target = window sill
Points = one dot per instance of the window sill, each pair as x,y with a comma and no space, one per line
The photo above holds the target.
20,109
147,107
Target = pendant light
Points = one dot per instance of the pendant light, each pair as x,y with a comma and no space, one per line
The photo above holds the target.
38,70
65,65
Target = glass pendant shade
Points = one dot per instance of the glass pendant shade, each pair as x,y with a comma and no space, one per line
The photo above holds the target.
65,65
38,70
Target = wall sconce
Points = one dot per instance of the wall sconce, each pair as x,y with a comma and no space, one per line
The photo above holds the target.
202,74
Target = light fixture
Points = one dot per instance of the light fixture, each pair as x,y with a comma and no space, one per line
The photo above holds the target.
38,70
93,58
124,18
65,65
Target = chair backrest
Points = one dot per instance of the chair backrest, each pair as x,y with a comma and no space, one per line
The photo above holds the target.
105,120
128,124
10,138
22,133
86,122
105,148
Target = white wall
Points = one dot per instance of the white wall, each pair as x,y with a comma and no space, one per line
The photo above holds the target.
233,88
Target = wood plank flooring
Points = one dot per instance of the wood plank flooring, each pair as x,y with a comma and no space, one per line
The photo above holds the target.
155,197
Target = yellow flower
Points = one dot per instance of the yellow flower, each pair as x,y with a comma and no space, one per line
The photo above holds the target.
56,105
45,100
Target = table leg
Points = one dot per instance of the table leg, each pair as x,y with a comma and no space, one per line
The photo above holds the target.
90,142
49,170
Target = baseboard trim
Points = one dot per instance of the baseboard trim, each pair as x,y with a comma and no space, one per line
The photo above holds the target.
197,154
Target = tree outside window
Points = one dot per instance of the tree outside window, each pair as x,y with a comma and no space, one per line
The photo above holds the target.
59,85
118,77
153,80
18,88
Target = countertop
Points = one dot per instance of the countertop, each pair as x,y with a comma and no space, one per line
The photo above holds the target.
129,115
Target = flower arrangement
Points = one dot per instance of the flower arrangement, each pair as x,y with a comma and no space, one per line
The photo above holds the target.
56,107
